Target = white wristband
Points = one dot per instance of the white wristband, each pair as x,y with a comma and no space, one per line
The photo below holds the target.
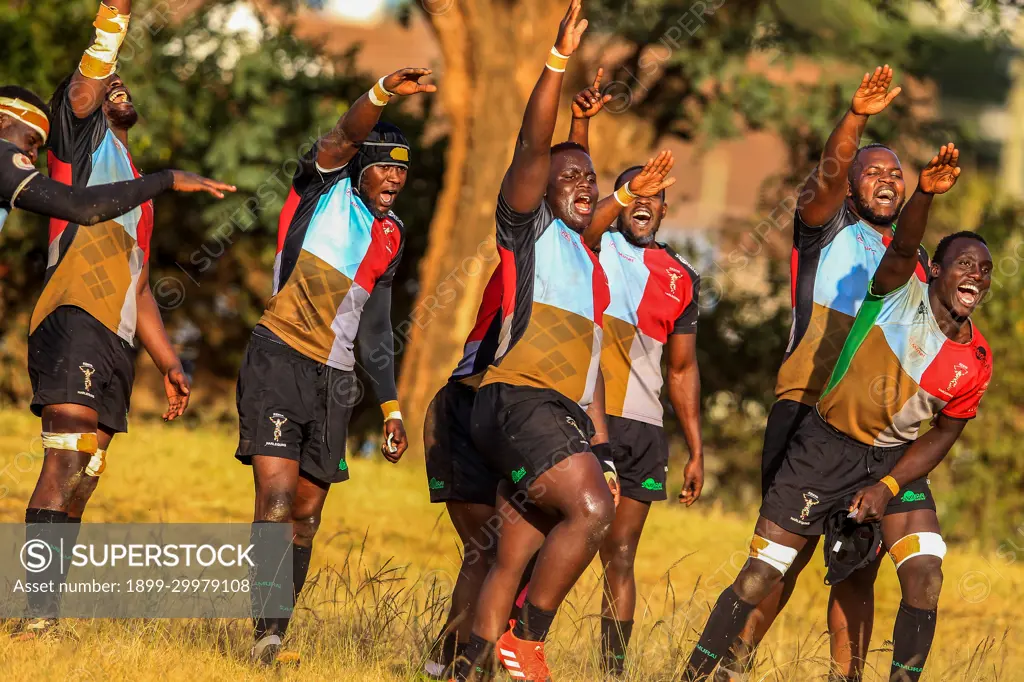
393,415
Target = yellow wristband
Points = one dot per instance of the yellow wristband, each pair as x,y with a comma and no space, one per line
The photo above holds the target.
891,484
557,61
389,408
378,95
623,195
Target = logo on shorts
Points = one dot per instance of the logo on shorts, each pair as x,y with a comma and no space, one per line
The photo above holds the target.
651,484
278,420
435,484
87,372
572,423
342,465
518,474
911,496
810,499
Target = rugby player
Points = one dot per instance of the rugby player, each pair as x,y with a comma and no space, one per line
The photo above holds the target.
24,128
912,355
843,221
457,473
96,302
528,417
654,298
339,245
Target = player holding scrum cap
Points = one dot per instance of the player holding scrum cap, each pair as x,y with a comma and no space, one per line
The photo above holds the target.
339,245
912,355
96,303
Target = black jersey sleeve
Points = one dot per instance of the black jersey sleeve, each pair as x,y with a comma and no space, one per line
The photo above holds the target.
90,205
686,323
16,172
810,237
515,228
310,174
375,336
73,140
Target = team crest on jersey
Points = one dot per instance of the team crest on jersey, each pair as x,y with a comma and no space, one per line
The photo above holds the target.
673,277
981,354
959,370
23,162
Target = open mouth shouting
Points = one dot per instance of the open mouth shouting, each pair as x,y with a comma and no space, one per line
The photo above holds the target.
387,197
583,203
885,196
968,294
119,95
641,217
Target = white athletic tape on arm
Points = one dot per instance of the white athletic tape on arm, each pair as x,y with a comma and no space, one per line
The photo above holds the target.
76,442
915,544
775,555
393,415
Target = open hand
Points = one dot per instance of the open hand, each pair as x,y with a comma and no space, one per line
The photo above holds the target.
589,101
651,180
873,94
178,389
190,182
407,82
939,176
570,31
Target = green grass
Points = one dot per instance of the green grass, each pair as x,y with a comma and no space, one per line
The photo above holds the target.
384,562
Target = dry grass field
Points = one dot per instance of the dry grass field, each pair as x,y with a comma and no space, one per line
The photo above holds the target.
385,560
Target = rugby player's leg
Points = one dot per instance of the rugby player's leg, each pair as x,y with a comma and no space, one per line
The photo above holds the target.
618,552
772,552
916,547
851,616
276,481
521,534
307,511
475,525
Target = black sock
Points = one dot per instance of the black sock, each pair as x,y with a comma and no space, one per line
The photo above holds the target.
533,623
265,583
50,527
447,648
615,636
300,569
725,624
739,658
478,655
523,582
911,640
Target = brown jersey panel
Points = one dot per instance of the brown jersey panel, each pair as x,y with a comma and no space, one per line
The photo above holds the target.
616,344
554,352
805,372
874,388
302,312
94,275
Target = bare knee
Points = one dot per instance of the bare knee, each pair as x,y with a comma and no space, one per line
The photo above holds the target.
304,528
275,506
755,581
597,512
618,555
921,580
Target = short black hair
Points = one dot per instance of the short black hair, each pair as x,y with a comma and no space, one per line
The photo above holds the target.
569,146
621,180
26,95
943,246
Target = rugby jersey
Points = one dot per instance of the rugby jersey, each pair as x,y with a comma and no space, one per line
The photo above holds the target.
482,343
897,369
95,268
554,293
332,253
653,295
830,269
16,170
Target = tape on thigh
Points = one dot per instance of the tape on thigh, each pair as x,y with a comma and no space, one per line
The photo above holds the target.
77,442
910,546
775,555
97,463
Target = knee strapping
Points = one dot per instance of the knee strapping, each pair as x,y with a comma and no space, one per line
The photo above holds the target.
76,442
775,555
915,544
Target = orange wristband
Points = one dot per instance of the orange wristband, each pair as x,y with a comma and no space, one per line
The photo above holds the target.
891,484
556,61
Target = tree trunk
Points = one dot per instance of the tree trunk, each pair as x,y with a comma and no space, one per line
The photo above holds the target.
494,51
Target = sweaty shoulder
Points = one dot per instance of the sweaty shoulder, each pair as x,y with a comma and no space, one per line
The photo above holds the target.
682,261
817,236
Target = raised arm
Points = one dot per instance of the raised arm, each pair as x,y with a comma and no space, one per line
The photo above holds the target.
651,180
337,147
901,258
585,105
91,205
825,190
89,83
684,395
527,178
